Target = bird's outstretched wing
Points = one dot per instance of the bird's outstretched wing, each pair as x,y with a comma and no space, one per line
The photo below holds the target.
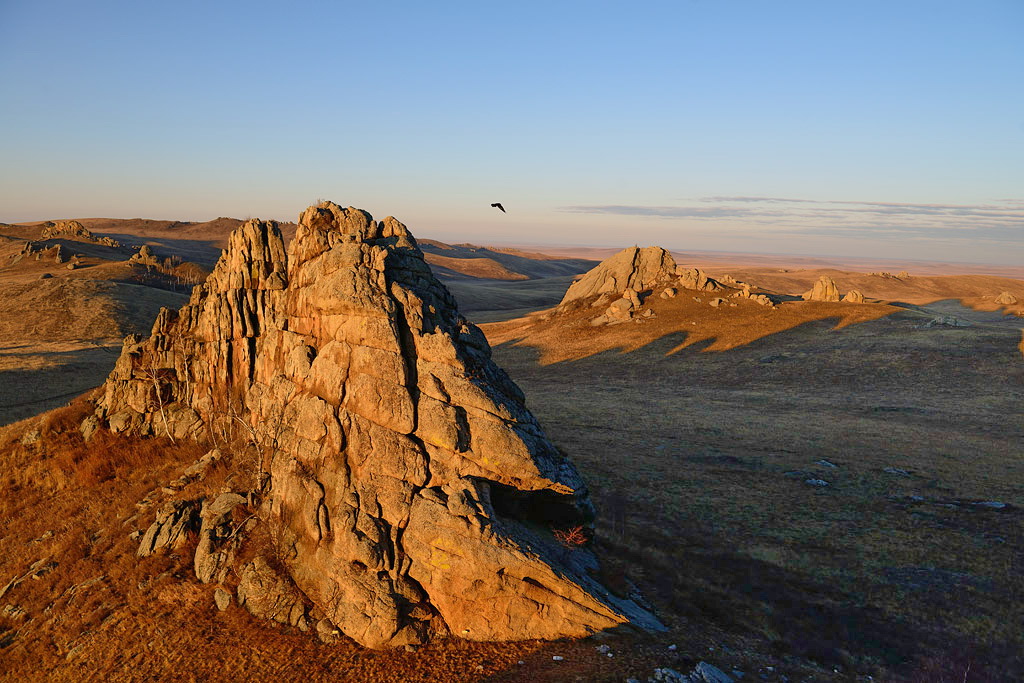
499,206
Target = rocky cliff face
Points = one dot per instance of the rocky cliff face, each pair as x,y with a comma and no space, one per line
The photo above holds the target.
408,489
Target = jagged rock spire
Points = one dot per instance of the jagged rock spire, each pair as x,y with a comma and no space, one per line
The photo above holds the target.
409,489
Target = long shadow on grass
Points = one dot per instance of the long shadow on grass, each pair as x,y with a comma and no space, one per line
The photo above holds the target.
694,582
69,374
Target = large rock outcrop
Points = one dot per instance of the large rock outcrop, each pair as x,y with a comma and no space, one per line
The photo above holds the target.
408,489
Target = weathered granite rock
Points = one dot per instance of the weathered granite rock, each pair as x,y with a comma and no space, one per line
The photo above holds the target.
52,229
824,290
145,257
408,489
853,296
269,595
222,599
695,278
174,520
1006,299
218,538
633,296
635,268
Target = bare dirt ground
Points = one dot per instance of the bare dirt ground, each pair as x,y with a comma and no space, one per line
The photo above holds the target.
697,440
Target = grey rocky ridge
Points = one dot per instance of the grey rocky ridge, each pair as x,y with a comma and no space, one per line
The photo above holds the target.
408,491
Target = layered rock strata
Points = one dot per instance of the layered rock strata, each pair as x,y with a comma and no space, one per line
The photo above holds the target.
409,491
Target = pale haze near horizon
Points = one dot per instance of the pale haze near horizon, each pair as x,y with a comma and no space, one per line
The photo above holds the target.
892,130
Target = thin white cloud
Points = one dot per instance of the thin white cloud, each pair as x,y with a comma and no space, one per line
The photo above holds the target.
999,222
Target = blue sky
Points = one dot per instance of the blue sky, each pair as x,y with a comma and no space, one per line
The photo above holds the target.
868,128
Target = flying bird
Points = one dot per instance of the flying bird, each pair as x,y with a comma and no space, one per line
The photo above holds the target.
498,205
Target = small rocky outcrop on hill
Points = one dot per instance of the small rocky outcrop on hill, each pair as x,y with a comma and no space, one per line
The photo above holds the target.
408,490
639,269
1006,299
824,290
853,296
145,257
695,278
52,229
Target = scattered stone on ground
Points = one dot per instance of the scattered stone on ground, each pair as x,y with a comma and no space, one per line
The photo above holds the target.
222,599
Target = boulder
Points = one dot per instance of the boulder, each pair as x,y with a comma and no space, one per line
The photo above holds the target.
222,599
824,290
695,278
407,490
145,257
218,538
635,268
1006,299
632,295
853,296
265,593
173,521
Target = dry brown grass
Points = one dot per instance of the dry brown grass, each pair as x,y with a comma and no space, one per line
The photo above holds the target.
474,267
566,334
697,464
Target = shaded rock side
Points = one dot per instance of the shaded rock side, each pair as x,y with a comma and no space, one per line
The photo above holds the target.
824,290
634,268
409,490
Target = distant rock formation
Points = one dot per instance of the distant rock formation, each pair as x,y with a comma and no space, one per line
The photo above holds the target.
695,278
824,290
409,490
1006,299
52,229
639,269
145,257
853,296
